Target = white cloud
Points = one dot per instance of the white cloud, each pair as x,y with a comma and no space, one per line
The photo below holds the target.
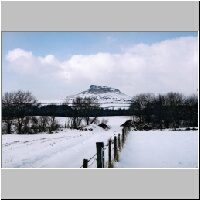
49,60
23,62
170,65
18,53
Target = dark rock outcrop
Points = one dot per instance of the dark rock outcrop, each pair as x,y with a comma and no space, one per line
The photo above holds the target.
95,89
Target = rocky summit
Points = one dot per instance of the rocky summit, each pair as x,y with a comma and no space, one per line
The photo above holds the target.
95,89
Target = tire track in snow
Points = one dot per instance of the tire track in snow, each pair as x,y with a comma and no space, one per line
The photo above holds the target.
76,146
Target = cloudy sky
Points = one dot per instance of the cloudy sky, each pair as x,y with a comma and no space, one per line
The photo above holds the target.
53,65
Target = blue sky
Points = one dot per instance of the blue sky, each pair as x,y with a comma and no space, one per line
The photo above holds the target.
65,44
24,51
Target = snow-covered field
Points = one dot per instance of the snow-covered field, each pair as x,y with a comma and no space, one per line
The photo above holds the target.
160,149
67,148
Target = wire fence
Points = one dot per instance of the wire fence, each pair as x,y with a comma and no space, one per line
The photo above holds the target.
93,157
113,152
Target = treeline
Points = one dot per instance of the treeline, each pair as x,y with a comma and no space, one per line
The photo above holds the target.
19,111
69,111
16,112
171,110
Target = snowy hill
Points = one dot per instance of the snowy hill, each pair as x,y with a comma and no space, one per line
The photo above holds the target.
106,96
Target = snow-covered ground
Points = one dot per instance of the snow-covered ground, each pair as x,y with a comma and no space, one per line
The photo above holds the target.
160,149
67,148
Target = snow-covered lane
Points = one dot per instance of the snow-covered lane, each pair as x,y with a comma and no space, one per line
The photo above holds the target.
56,150
65,149
160,149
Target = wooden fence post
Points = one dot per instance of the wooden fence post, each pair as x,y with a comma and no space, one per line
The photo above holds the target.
119,142
122,138
115,149
109,153
124,133
100,154
85,163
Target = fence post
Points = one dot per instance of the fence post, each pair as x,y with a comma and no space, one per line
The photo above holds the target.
122,138
85,163
115,149
100,154
124,133
119,142
109,153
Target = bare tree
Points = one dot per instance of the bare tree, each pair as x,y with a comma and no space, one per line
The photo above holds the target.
43,122
191,104
22,101
174,101
83,109
34,125
77,113
7,111
53,124
159,104
91,107
140,105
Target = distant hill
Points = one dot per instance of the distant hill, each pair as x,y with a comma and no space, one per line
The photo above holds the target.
106,96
